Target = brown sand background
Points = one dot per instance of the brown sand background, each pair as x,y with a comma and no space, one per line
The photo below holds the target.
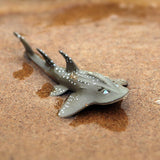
120,39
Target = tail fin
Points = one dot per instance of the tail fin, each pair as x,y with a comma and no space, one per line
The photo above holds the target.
35,57
27,47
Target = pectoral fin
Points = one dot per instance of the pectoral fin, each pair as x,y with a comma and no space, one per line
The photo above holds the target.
58,90
76,102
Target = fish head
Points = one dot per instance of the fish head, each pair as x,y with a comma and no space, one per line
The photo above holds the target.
108,93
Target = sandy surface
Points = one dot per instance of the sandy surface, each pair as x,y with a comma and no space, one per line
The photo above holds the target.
120,40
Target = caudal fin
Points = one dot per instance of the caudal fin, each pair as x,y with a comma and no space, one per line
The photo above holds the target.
27,47
35,57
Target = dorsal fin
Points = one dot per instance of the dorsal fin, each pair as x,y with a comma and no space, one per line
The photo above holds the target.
70,65
47,59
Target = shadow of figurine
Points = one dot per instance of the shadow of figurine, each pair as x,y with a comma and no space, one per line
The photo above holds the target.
111,117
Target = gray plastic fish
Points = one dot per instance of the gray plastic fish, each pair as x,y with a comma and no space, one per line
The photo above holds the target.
87,87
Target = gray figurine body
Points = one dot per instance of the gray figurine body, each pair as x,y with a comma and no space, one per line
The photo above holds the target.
88,87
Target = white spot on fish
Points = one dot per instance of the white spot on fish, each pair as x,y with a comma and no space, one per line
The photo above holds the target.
116,85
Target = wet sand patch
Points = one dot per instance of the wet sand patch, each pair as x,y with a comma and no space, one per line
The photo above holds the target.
45,91
26,71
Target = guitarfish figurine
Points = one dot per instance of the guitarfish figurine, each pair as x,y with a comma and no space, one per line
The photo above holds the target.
87,87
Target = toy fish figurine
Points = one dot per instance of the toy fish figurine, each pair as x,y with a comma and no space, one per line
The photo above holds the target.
87,87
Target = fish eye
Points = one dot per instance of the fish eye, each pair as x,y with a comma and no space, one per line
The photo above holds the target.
103,90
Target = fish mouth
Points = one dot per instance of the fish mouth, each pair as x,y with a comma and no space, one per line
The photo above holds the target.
117,100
